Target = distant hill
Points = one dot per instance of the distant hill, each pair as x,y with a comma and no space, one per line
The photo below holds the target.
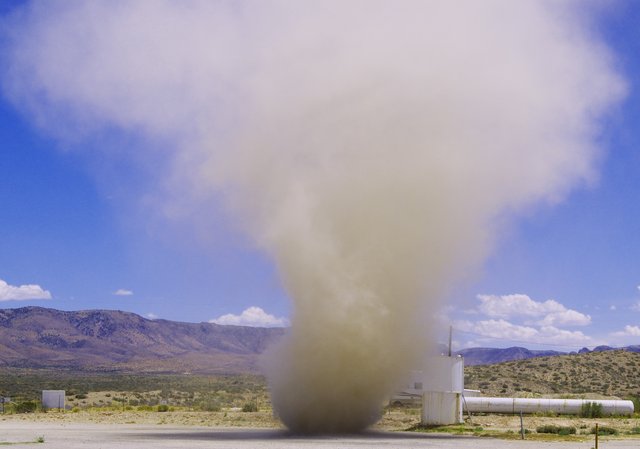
596,373
102,340
106,340
489,356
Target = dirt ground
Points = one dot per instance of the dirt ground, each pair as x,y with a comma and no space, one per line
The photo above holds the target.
25,434
394,419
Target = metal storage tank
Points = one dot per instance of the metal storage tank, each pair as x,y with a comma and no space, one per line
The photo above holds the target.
535,405
443,385
444,373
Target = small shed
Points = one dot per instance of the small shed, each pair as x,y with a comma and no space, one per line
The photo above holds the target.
53,399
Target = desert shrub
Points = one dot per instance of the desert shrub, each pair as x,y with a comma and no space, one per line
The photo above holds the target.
635,431
144,408
546,414
591,410
210,406
25,407
558,430
250,406
163,408
81,396
604,430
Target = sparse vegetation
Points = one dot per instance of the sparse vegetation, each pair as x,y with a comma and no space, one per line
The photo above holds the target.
250,406
558,430
605,430
595,374
122,390
591,410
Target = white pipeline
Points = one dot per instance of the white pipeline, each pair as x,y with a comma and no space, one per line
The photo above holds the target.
529,405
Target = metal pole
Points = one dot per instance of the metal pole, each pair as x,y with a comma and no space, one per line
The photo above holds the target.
450,334
596,436
521,427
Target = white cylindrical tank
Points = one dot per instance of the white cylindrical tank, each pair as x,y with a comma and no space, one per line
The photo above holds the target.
443,382
443,373
441,408
535,405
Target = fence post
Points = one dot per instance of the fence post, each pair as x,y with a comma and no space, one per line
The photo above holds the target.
596,436
521,427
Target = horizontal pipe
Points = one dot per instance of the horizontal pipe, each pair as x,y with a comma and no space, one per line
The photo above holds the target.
537,405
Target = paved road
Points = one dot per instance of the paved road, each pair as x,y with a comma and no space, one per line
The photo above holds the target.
86,436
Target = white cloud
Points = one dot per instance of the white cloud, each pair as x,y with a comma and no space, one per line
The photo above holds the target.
518,319
22,292
151,316
548,313
636,307
123,292
253,316
629,331
490,330
498,329
613,307
567,317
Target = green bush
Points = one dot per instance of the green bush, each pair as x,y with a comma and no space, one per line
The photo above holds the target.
210,406
635,431
250,407
604,430
163,408
558,430
591,410
26,407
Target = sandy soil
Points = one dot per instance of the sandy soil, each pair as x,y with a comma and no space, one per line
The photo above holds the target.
392,420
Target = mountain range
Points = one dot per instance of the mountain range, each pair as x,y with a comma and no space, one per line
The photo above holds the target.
491,356
108,340
103,340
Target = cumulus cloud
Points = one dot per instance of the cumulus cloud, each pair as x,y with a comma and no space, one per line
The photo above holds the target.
123,292
490,330
547,313
629,331
151,316
22,292
517,318
252,316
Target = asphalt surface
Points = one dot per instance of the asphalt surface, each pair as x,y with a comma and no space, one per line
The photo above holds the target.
76,436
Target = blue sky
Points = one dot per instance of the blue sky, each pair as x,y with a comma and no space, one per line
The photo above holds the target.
72,223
